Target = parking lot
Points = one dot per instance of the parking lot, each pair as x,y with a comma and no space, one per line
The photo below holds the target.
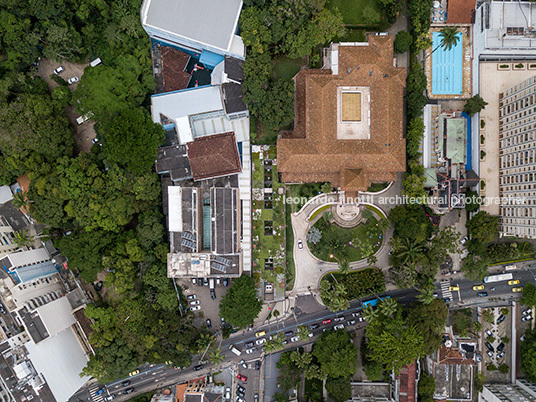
497,345
210,309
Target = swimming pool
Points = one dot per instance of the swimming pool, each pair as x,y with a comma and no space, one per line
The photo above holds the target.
447,67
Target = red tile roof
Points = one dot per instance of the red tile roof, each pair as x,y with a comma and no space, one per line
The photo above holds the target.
407,377
312,152
213,156
460,12
174,63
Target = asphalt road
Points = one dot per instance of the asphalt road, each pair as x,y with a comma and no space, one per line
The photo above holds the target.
157,376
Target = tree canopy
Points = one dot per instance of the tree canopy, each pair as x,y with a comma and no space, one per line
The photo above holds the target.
240,305
528,355
336,354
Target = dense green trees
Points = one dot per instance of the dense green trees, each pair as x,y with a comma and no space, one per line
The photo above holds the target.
415,87
336,354
240,305
282,27
474,105
528,355
426,388
483,228
334,295
403,41
430,320
529,295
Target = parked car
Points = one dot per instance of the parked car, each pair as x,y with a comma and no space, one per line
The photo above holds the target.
108,398
503,352
482,294
257,364
360,319
240,388
240,394
238,399
194,302
339,318
260,341
100,391
515,290
526,318
72,80
351,322
300,244
356,314
289,333
314,326
501,318
488,332
489,353
260,333
227,393
311,335
256,398
58,70
98,286
125,383
500,347
490,346
197,368
513,282
242,378
447,299
199,281
128,390
191,297
3,309
527,311
205,281
340,326
454,288
250,350
326,322
250,344
209,323
133,373
244,364
218,281
194,281
295,339
464,240
195,308
212,294
225,282
478,287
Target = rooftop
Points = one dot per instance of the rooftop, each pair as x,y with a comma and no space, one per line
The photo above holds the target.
461,12
213,156
315,152
510,25
204,21
173,160
174,64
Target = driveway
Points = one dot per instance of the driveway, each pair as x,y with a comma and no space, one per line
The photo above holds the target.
309,269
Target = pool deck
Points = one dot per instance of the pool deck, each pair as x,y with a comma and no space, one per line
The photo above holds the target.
467,61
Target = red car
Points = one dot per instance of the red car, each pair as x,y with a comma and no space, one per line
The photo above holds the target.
242,377
326,322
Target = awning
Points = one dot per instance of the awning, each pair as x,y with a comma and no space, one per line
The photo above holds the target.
210,59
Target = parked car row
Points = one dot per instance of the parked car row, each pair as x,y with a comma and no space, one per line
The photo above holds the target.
527,315
205,281
71,80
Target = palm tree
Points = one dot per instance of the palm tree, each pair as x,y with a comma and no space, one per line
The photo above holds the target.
22,238
427,295
204,342
215,356
20,200
372,259
370,313
344,267
275,343
449,37
388,306
302,332
409,251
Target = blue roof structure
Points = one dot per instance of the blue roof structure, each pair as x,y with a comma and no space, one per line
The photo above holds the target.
32,272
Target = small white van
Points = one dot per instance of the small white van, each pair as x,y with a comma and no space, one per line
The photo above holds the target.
235,350
95,62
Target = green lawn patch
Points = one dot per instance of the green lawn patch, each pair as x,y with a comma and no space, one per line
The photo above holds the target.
362,283
372,208
357,12
319,211
286,68
377,187
346,244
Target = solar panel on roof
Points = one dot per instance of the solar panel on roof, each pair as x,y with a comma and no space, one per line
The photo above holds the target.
188,236
189,244
223,260
219,267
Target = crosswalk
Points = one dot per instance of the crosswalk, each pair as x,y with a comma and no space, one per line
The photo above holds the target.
445,284
92,392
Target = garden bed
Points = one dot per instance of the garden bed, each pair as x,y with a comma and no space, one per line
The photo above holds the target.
346,244
360,284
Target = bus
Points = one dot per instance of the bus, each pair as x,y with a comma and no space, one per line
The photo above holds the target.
498,278
373,302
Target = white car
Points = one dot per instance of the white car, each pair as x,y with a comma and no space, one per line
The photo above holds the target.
72,80
300,244
311,335
58,70
191,297
227,393
260,341
194,302
295,339
250,351
358,314
527,311
340,326
195,308
527,318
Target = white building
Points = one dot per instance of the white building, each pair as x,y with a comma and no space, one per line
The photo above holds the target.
204,26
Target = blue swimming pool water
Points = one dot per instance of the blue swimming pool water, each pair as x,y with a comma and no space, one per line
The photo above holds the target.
447,68
468,165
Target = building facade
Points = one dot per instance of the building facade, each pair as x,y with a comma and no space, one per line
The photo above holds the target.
520,392
517,167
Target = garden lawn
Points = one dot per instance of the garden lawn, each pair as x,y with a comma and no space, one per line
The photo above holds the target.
286,68
341,242
357,12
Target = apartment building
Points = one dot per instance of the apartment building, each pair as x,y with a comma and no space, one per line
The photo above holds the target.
517,167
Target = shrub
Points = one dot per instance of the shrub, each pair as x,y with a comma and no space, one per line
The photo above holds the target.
482,184
504,369
504,66
491,367
403,41
482,154
491,339
415,87
482,123
482,139
519,65
474,105
488,316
